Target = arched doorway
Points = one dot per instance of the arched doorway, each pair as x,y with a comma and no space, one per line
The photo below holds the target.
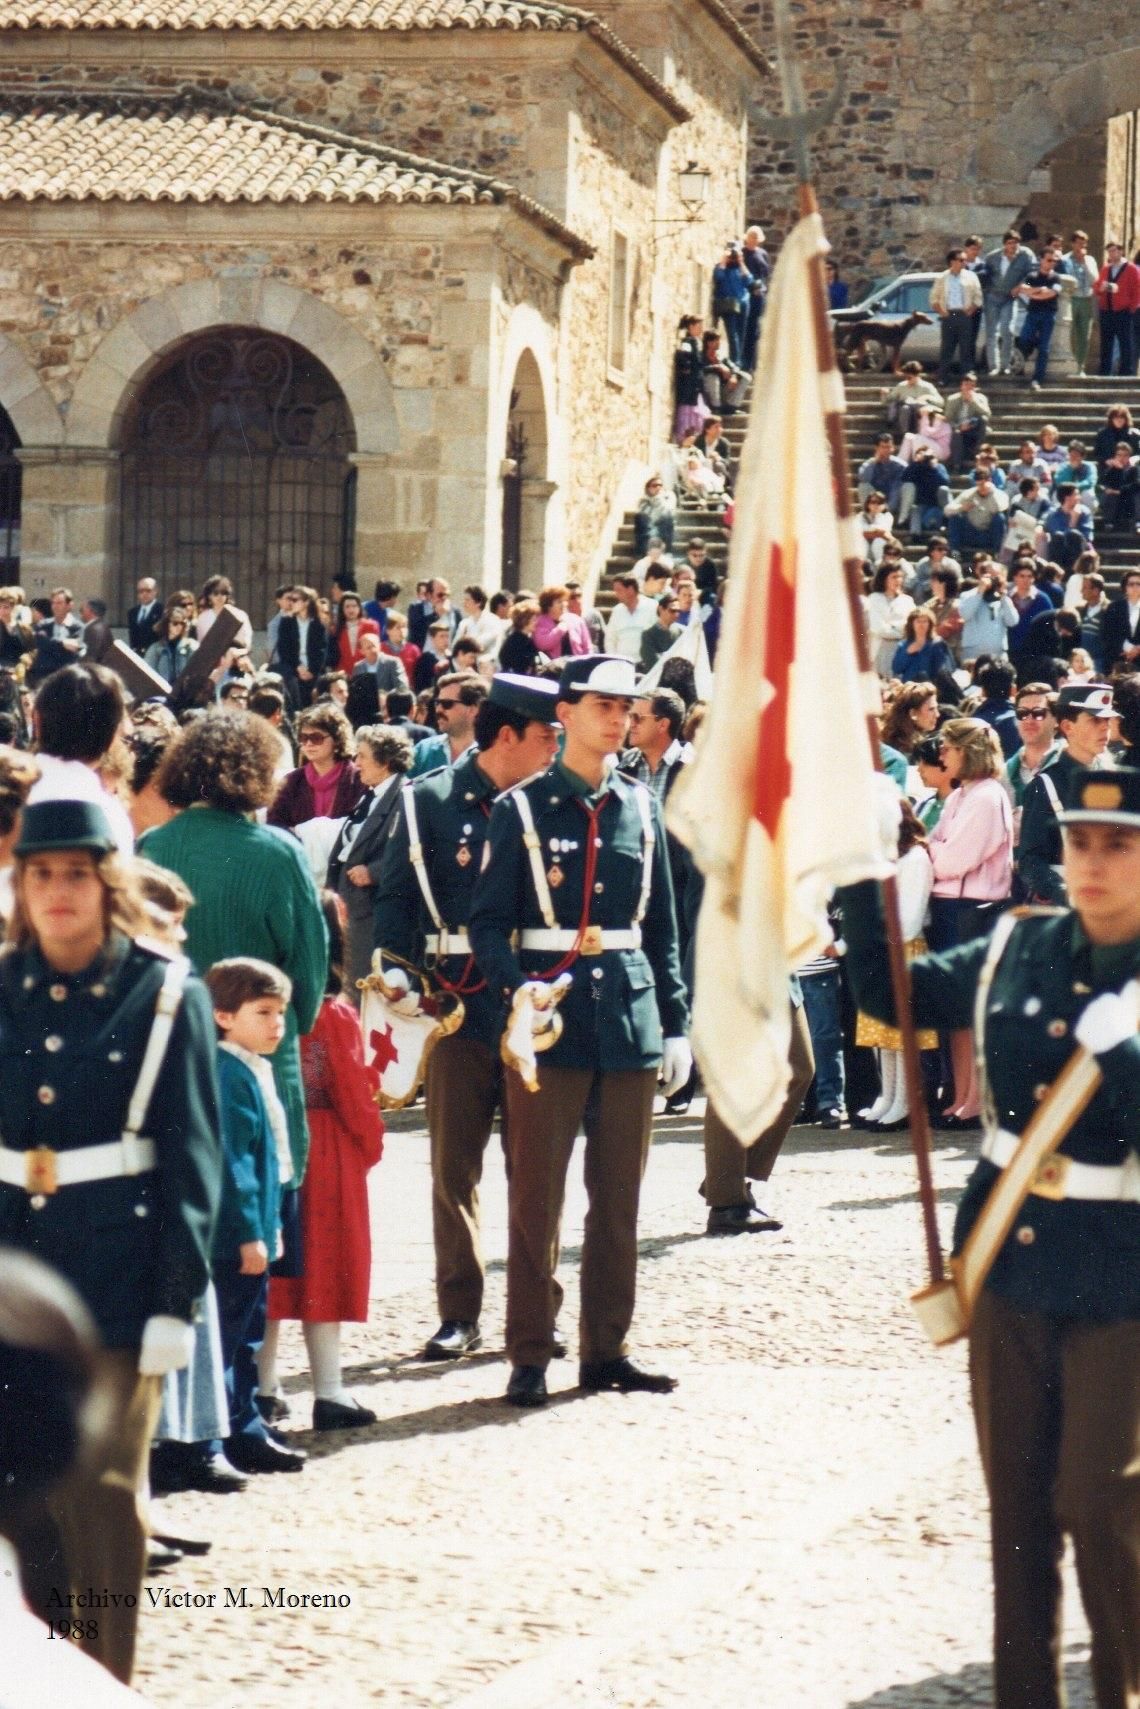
526,489
10,481
235,462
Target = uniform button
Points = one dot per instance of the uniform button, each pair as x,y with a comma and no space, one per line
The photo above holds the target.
598,974
57,993
1057,1029
1026,1236
1032,1006
1080,989
114,1056
470,795
37,1201
53,1042
28,981
46,1095
99,990
1040,1090
141,1210
598,888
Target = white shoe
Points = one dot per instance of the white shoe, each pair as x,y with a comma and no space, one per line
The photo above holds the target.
1035,385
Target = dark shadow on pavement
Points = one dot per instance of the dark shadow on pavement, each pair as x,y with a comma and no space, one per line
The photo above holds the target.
454,1420
942,1195
972,1687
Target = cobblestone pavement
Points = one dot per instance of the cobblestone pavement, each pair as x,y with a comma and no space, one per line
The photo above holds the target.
801,1526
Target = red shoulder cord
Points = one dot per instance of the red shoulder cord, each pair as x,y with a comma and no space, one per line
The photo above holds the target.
575,950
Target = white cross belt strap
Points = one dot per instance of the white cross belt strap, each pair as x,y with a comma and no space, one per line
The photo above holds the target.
594,940
416,856
43,1171
1061,1177
533,845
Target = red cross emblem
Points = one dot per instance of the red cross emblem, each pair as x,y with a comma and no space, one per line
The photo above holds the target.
384,1052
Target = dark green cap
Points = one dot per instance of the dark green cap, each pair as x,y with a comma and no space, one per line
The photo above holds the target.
534,697
1104,798
64,825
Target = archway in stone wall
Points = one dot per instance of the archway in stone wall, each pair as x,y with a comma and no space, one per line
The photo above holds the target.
10,485
235,462
526,489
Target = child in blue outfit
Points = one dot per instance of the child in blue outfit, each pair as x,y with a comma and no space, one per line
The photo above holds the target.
250,998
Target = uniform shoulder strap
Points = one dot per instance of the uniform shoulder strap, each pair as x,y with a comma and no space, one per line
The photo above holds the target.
416,854
1050,789
648,842
533,845
166,1008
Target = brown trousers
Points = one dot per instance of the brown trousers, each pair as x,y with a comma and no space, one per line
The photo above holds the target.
616,1111
462,1090
729,1166
1057,1408
93,1534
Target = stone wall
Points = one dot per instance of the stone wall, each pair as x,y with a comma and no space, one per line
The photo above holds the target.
948,110
1122,201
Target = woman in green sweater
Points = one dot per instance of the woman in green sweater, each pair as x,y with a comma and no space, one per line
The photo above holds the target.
253,894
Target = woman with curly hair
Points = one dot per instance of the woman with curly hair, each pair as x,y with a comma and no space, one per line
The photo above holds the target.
253,894
326,785
912,714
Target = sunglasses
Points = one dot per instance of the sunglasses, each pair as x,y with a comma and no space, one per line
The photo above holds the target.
446,705
1038,715
313,738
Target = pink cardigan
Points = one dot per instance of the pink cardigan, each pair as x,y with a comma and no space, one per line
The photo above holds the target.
972,844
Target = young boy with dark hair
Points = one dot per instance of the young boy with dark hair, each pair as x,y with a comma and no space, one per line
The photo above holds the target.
250,998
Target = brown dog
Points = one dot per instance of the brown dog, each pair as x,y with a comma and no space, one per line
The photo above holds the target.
889,335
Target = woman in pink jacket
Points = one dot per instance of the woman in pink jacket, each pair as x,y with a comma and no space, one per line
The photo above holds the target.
971,848
558,633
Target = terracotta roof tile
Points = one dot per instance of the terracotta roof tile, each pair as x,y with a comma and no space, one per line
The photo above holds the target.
68,145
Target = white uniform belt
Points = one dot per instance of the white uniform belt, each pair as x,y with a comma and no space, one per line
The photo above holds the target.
44,1171
1061,1177
595,939
448,943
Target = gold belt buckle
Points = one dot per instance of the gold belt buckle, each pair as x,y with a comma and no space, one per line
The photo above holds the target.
592,941
40,1173
1049,1181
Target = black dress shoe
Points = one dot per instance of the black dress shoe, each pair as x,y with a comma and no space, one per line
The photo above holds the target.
527,1386
259,1454
558,1348
272,1407
157,1560
192,1467
182,1545
453,1339
741,1219
622,1375
337,1415
832,1120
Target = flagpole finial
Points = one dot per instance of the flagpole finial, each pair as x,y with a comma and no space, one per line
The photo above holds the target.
798,122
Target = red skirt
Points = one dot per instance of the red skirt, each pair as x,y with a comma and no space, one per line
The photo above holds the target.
335,1237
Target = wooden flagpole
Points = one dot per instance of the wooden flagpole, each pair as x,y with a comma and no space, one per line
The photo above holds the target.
795,127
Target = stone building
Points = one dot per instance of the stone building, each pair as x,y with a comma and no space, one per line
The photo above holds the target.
959,118
380,284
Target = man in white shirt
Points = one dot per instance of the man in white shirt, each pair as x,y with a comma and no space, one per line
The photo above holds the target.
478,624
632,615
956,298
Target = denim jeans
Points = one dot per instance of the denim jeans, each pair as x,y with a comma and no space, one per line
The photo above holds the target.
964,538
999,324
1037,334
822,1007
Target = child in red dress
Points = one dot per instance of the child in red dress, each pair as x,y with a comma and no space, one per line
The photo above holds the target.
346,1141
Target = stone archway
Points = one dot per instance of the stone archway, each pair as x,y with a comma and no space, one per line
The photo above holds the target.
109,384
29,405
526,489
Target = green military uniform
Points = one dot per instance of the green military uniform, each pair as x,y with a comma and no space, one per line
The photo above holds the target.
464,1071
1039,847
134,1245
604,859
1055,1342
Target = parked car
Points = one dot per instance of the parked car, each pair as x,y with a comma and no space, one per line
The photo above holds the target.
907,294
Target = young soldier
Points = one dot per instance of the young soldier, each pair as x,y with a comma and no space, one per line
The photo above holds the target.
577,864
423,893
1084,720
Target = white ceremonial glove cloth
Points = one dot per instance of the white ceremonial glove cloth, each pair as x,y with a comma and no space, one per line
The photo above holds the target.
167,1345
397,980
676,1065
542,996
1108,1020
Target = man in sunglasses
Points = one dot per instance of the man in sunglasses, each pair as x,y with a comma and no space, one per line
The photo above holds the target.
1037,727
458,698
1084,719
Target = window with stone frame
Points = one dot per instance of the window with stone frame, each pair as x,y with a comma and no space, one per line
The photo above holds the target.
619,303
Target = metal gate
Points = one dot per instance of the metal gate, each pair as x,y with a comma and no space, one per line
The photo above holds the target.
10,473
235,463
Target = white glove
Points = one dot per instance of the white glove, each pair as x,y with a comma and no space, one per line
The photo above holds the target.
1108,1020
542,995
397,980
167,1345
676,1065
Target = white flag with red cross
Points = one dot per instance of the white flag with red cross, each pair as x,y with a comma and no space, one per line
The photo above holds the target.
778,807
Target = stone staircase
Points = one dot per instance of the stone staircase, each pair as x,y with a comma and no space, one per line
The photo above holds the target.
1075,407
